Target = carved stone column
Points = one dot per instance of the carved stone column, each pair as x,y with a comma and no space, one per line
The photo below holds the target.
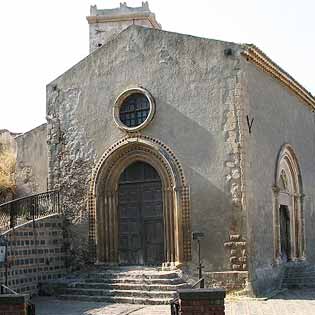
178,230
276,221
167,232
295,224
301,223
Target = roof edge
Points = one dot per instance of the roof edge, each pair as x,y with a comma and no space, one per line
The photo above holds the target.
29,131
133,26
262,61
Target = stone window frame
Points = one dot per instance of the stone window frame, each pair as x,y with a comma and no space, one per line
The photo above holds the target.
120,100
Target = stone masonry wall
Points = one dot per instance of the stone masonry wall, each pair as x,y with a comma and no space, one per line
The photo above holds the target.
31,162
35,254
71,157
198,116
236,245
230,280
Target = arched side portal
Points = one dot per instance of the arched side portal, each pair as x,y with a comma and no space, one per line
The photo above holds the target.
103,199
288,207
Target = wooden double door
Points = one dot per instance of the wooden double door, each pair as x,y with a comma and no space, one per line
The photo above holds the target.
141,227
285,233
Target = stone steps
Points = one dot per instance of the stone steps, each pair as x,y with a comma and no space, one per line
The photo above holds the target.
302,279
172,281
121,285
121,293
120,275
299,277
114,299
128,286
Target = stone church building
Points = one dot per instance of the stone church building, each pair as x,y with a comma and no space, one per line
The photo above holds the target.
156,135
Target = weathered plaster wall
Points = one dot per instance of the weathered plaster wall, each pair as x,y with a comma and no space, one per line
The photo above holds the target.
197,89
100,33
31,165
279,117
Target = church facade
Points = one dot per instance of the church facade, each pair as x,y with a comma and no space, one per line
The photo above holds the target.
157,135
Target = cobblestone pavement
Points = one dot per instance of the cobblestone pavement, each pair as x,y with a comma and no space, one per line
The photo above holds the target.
296,302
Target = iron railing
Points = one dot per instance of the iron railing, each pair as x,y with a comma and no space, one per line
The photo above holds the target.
22,210
200,282
6,290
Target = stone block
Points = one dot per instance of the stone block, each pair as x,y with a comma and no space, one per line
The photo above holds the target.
234,259
229,244
240,244
236,267
235,237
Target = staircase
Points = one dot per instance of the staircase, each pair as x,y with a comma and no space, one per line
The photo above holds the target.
299,276
134,285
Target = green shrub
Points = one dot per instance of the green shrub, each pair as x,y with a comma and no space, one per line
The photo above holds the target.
7,169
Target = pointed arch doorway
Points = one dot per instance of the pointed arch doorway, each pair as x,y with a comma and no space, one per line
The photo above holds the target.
106,197
140,215
288,208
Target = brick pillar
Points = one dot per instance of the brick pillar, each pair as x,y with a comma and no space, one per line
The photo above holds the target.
201,301
12,304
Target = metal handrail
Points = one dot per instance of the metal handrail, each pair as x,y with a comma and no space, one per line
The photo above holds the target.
29,208
7,288
27,197
201,282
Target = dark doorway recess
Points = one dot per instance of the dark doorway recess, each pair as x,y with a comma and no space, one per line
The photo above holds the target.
141,227
285,233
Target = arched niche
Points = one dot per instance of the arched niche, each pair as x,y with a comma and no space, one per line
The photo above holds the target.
288,195
103,199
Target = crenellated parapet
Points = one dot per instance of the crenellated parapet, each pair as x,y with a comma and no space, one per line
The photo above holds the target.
106,23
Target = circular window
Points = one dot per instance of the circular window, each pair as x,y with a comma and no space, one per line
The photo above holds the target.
134,109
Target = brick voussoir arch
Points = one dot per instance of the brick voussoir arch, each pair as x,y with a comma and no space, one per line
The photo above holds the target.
103,199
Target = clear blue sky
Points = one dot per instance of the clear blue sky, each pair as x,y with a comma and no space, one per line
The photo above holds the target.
42,39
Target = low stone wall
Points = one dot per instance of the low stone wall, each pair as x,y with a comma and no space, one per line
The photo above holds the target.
13,304
201,301
35,254
230,280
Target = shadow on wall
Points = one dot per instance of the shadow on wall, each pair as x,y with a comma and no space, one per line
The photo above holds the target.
212,214
202,153
193,144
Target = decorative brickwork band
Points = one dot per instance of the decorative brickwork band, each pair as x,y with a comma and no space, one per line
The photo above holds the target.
186,223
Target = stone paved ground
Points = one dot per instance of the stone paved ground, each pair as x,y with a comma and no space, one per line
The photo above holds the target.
296,302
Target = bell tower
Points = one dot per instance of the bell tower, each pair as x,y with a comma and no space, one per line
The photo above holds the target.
105,23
